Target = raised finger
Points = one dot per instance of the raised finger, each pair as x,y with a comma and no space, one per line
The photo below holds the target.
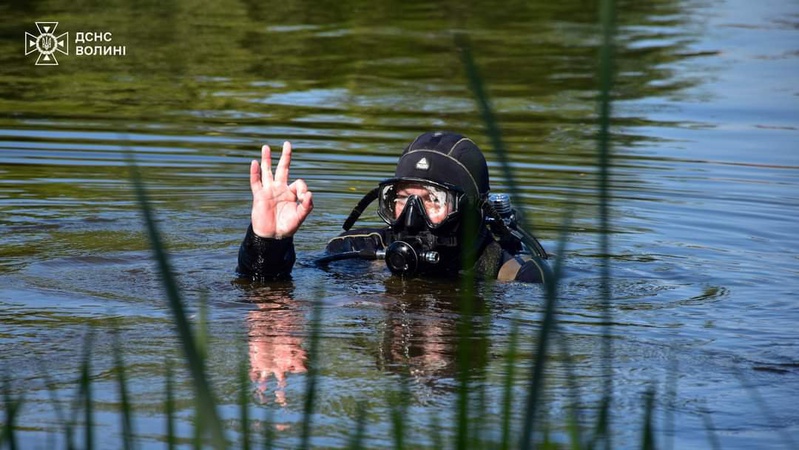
255,176
266,164
282,171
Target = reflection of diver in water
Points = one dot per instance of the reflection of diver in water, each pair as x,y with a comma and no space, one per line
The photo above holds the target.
422,332
437,208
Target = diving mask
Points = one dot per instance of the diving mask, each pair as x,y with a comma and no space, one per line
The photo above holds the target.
433,203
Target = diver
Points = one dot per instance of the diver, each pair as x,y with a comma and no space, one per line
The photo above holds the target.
441,220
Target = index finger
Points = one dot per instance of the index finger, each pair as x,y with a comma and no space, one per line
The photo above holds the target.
266,164
282,170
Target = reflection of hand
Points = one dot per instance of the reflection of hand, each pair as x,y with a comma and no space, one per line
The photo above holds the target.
278,208
278,356
275,348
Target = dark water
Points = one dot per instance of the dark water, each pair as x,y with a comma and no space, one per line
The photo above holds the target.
704,244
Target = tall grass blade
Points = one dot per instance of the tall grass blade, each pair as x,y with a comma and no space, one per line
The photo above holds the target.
465,338
479,412
463,44
12,408
548,321
85,386
127,411
435,431
399,408
671,402
202,343
77,404
312,376
575,434
169,407
201,327
601,428
193,355
606,69
358,435
507,397
713,440
68,424
269,430
764,408
244,403
199,428
573,421
648,432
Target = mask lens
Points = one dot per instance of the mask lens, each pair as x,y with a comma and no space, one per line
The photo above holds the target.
439,202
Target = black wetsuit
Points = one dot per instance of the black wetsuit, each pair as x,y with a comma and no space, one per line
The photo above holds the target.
273,259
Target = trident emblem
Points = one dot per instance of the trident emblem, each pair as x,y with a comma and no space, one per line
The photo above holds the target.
46,43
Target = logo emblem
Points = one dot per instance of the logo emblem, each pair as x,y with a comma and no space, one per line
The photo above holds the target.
46,43
422,164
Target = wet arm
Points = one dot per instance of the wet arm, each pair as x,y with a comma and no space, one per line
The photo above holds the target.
265,258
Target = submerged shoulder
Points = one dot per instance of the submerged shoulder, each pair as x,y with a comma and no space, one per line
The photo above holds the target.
357,240
498,263
524,268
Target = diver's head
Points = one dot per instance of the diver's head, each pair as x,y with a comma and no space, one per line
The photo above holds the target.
448,175
440,180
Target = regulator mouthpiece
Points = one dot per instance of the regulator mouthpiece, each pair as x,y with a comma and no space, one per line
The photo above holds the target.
403,259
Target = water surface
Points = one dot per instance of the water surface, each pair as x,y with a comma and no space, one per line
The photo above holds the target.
704,182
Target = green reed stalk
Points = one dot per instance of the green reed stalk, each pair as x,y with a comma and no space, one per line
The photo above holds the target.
398,425
606,70
169,407
269,432
465,337
202,342
85,386
765,410
574,429
601,427
358,434
51,389
435,431
575,433
312,376
492,127
507,399
203,337
536,382
193,355
124,398
648,434
671,402
12,408
244,404
713,440
478,425
399,409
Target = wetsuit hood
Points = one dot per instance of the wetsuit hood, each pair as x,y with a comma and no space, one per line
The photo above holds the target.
446,158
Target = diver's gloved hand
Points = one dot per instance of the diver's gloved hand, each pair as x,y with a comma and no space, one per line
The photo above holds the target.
278,208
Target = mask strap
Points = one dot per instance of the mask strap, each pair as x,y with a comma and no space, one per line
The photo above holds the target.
358,210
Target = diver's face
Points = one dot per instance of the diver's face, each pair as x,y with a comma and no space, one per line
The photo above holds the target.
437,208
